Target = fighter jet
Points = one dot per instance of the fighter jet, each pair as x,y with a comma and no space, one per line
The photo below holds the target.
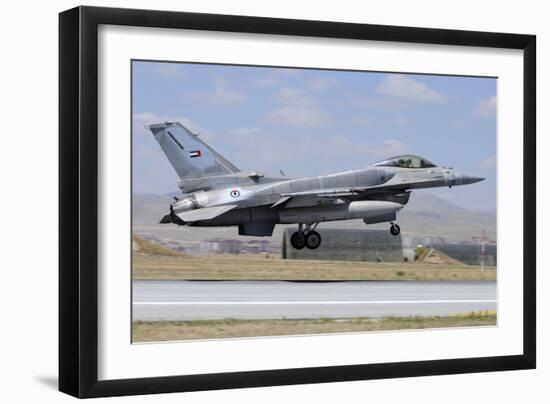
217,193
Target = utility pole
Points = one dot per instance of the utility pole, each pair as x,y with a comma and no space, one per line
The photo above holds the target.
482,253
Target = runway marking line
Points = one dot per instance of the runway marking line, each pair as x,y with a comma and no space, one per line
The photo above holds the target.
336,302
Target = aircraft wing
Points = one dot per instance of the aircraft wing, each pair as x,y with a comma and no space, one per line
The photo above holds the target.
205,213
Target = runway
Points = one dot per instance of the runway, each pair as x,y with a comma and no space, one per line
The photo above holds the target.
208,300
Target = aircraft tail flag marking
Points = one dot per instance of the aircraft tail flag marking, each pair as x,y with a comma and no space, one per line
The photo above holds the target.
190,156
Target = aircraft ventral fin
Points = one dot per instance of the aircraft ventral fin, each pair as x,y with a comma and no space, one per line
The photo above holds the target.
205,213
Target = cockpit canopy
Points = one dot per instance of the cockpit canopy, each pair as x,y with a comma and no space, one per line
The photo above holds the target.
405,161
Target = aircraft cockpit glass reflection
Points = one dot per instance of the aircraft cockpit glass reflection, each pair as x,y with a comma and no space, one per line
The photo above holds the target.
405,161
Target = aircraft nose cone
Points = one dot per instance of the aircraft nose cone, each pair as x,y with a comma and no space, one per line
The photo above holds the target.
465,178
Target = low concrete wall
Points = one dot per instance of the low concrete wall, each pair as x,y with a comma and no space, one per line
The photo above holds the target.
469,253
349,245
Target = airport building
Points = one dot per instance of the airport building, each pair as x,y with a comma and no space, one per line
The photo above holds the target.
220,246
349,245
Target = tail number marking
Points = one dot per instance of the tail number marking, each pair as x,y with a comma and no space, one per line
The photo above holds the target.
216,168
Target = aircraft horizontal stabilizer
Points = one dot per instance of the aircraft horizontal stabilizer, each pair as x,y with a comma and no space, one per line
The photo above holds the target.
205,213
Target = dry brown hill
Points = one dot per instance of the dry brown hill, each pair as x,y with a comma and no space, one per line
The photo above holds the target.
433,256
142,246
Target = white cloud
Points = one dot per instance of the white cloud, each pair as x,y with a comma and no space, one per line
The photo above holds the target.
321,83
295,97
363,121
258,149
172,70
275,76
222,95
401,121
298,117
246,135
297,109
389,147
141,119
486,107
488,162
288,72
145,117
246,131
265,150
266,81
401,86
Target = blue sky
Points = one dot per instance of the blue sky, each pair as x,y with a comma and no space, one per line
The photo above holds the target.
310,122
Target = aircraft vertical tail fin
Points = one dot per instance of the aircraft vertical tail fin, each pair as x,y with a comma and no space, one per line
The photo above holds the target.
190,156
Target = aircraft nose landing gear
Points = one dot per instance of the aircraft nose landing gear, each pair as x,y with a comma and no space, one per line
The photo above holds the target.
307,237
395,229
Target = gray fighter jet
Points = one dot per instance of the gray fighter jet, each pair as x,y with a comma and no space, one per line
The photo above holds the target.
216,193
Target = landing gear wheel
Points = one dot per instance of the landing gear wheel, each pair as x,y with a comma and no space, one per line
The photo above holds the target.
298,240
395,229
313,240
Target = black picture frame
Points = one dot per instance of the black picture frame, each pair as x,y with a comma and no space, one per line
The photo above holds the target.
78,196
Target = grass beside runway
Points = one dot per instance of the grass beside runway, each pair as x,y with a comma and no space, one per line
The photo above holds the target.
151,331
148,266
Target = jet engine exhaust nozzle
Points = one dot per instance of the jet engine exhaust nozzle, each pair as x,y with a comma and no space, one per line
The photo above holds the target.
182,205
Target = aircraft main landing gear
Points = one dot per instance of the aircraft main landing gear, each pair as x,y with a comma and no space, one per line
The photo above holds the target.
395,229
298,240
307,237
